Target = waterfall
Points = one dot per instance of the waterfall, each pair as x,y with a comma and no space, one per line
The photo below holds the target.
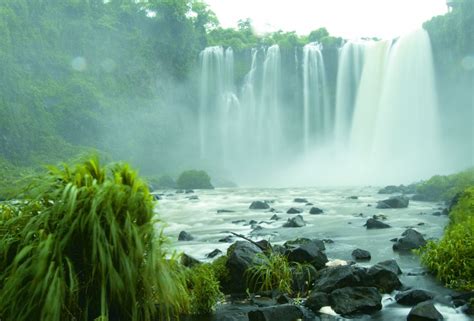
382,127
316,109
351,59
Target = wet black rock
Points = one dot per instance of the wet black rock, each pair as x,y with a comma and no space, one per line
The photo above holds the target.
424,311
285,312
309,204
227,239
315,210
353,197
375,224
185,236
316,301
259,205
437,213
188,260
225,211
300,200
238,221
410,240
361,255
394,202
303,240
413,297
355,300
384,276
332,278
296,221
214,253
275,217
241,256
294,210
308,253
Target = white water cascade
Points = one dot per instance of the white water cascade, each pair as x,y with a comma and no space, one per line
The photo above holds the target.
382,127
317,114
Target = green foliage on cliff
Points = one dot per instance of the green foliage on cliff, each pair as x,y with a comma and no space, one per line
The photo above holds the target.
194,179
83,244
444,188
452,258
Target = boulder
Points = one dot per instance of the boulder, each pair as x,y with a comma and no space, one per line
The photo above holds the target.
375,224
188,260
384,276
410,240
214,253
185,236
303,240
394,202
355,300
241,256
413,297
275,217
284,312
300,200
332,278
294,210
361,255
308,253
424,311
315,210
259,205
296,221
317,300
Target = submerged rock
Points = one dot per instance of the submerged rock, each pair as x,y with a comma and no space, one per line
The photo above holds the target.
285,312
225,211
300,200
424,311
294,210
394,202
375,224
361,255
185,236
214,253
315,210
259,205
355,300
296,221
410,240
414,296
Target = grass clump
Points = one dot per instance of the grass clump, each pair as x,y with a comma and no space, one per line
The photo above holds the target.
194,179
272,273
83,246
203,287
444,188
452,258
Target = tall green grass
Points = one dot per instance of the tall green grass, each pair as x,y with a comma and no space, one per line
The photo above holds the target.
451,259
84,245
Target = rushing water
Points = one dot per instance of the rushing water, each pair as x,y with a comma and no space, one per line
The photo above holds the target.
382,126
340,222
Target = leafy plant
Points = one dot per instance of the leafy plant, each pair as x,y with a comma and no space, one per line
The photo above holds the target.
452,258
273,273
203,289
84,246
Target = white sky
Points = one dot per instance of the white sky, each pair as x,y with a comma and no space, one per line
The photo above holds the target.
345,18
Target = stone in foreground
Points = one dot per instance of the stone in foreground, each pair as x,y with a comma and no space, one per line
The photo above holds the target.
414,296
424,311
357,300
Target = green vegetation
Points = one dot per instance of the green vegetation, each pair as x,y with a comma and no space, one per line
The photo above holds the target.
274,273
452,258
194,179
204,290
444,188
83,245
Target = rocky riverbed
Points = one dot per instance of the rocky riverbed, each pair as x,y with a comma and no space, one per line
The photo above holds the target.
339,216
